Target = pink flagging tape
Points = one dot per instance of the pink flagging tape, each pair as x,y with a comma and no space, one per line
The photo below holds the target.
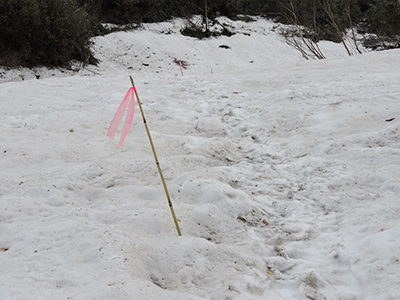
129,101
180,66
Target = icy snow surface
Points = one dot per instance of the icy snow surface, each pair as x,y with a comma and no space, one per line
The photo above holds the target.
252,134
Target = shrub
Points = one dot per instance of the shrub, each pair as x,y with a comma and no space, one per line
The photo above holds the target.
43,32
137,11
134,11
383,17
195,30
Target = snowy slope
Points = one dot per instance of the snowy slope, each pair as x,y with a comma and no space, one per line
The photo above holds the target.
250,135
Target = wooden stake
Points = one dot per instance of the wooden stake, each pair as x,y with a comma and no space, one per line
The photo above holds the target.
157,163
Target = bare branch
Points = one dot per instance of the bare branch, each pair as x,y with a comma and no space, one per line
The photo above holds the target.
333,22
300,37
351,25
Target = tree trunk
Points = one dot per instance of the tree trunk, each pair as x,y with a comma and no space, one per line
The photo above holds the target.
205,12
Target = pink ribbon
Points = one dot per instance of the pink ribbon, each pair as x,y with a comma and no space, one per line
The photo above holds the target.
180,66
129,101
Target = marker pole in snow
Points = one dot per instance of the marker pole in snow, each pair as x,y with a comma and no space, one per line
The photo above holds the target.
156,159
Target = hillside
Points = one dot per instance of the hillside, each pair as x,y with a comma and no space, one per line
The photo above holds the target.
284,172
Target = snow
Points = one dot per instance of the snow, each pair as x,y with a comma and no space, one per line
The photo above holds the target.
248,134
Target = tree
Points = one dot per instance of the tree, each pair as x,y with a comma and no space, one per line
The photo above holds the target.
43,32
317,20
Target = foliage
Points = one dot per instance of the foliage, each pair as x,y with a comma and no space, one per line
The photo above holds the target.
137,11
315,16
195,30
49,32
43,32
383,17
329,19
198,30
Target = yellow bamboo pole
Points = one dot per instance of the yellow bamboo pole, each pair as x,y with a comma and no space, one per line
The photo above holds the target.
157,163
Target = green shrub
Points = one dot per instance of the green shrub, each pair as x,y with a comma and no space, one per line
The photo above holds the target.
130,11
43,32
196,30
137,11
383,17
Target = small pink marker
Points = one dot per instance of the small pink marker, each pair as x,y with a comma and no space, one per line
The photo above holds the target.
180,66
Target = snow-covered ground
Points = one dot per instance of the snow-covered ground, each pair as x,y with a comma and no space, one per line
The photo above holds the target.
250,135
